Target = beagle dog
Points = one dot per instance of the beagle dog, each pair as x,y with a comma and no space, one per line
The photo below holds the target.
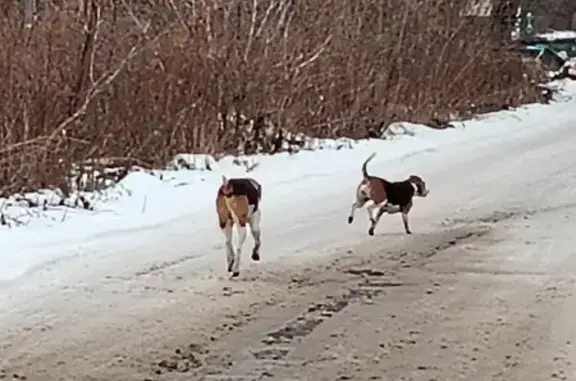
238,203
386,196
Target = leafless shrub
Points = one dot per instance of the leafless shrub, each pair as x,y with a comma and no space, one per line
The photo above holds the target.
143,81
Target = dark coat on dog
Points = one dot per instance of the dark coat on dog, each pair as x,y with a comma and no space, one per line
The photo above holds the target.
244,187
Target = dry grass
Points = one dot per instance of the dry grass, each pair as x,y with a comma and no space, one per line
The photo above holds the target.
138,83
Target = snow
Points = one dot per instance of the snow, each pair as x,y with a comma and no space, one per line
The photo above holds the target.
557,35
151,202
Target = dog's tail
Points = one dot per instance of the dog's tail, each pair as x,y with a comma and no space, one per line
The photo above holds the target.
365,165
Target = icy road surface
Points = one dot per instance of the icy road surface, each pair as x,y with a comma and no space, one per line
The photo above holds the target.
483,289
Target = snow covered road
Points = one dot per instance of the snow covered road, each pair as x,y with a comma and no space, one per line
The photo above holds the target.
483,289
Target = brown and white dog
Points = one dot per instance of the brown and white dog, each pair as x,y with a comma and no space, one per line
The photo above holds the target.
238,203
386,197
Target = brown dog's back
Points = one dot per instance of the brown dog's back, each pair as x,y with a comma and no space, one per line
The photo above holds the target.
235,199
375,189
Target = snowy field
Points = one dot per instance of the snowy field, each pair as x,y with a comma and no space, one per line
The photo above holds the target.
143,202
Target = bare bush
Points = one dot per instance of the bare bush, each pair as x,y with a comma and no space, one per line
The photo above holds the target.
140,82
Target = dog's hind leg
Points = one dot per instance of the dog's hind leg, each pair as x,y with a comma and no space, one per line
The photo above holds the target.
226,226
375,218
358,204
227,229
239,210
370,210
241,230
256,233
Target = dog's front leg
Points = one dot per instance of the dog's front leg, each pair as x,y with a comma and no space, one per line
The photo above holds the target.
256,233
405,210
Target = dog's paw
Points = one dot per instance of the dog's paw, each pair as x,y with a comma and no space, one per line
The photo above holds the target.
350,220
